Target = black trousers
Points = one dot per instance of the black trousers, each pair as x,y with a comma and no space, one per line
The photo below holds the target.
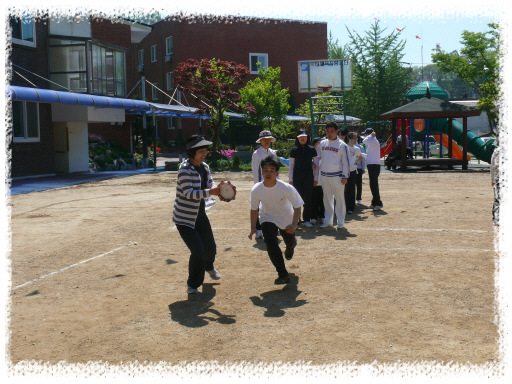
270,231
201,243
373,175
317,203
359,184
305,189
350,192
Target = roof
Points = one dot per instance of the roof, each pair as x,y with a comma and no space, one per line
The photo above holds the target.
419,90
430,108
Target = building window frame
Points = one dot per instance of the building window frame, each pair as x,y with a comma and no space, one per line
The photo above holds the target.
99,79
171,123
26,138
154,92
22,41
258,57
153,54
169,78
141,56
169,45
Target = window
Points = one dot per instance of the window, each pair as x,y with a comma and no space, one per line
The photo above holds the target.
168,46
153,53
25,121
141,57
170,78
108,71
67,59
170,123
255,58
23,30
154,94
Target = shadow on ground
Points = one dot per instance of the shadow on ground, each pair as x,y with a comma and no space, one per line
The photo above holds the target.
198,310
275,302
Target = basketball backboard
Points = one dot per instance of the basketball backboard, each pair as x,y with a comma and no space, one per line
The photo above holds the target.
325,75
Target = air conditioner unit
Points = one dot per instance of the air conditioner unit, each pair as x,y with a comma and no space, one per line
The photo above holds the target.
140,68
168,58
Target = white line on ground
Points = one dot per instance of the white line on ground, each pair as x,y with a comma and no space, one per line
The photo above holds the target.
69,266
393,229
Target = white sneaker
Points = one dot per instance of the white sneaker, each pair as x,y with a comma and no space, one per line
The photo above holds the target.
340,226
377,208
259,235
192,290
214,274
308,224
326,225
313,221
359,201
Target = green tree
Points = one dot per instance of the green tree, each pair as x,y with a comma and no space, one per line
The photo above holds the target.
477,65
321,109
267,96
335,50
449,81
380,82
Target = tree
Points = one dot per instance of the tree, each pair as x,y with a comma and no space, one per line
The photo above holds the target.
380,82
335,50
449,81
267,96
477,65
321,108
212,82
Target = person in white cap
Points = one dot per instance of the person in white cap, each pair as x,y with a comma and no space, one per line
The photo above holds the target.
194,191
301,174
373,166
265,139
334,173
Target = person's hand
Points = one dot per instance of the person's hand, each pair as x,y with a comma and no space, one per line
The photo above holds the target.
290,229
344,181
362,171
374,134
315,183
253,232
214,191
360,157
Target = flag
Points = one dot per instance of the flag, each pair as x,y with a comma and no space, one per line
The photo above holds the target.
399,30
418,37
377,19
438,46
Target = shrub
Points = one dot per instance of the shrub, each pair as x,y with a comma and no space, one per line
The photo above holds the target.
150,163
283,148
236,162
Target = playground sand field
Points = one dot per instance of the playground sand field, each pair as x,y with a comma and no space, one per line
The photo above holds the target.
412,283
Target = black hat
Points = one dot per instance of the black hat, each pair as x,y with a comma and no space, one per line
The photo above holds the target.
199,142
368,131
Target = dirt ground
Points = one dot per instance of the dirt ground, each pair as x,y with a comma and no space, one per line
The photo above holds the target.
99,274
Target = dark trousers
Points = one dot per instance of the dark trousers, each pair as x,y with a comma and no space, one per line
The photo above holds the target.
305,189
270,231
373,175
350,192
359,184
201,244
496,205
317,203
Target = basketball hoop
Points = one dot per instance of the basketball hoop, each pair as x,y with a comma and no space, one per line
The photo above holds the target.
324,88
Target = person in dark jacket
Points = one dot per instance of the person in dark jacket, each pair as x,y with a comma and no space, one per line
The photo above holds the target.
301,173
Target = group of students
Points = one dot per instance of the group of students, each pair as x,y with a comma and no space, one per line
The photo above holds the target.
323,178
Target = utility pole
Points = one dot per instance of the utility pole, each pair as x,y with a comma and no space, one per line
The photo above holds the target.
144,127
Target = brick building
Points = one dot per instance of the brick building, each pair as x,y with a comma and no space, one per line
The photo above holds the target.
78,54
275,43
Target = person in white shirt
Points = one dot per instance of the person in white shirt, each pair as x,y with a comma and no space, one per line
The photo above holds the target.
361,169
373,165
317,198
334,173
279,212
355,156
265,139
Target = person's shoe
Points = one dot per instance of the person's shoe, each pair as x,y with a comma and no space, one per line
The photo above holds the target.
359,201
312,221
349,212
288,253
326,225
214,274
282,280
308,224
191,290
340,226
371,206
377,208
259,235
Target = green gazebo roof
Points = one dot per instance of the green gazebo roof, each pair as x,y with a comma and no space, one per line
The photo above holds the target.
418,91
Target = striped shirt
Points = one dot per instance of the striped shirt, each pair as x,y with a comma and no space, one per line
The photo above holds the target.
189,194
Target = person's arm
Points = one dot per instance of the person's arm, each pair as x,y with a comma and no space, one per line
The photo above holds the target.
255,163
316,169
184,181
290,171
345,165
295,221
254,219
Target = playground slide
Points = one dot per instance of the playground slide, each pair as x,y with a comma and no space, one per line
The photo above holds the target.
456,150
480,149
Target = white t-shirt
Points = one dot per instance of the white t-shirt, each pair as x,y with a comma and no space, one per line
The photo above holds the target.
353,153
277,203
